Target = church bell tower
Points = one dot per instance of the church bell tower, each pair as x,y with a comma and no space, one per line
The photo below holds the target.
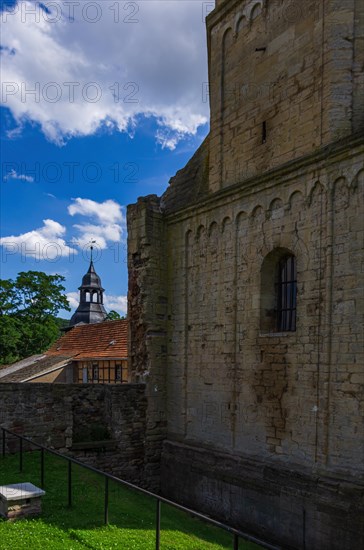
91,308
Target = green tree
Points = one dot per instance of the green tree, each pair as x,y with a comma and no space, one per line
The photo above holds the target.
28,314
10,336
62,323
9,325
113,316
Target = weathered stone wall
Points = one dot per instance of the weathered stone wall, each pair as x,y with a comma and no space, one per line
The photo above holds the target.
264,429
292,396
296,66
53,415
292,401
290,506
147,319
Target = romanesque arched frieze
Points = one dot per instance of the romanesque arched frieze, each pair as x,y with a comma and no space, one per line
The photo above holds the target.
245,17
257,211
226,224
227,39
241,231
276,209
213,238
341,194
358,180
296,201
213,229
315,190
227,238
257,215
200,233
241,23
241,216
201,239
255,9
188,236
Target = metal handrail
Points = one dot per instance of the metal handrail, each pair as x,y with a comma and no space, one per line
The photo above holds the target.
159,499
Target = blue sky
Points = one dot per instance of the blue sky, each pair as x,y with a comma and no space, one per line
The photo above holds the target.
99,106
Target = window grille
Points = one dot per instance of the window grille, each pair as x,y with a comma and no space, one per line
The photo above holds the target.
286,294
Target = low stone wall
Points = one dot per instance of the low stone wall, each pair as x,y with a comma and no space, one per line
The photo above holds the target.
293,507
53,415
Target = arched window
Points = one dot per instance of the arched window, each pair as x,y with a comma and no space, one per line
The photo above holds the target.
286,294
278,292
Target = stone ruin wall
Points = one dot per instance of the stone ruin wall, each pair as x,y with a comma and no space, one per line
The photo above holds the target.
276,417
286,408
57,415
147,315
262,430
292,397
296,66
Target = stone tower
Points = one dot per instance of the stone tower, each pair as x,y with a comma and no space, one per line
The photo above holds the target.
256,421
286,79
91,308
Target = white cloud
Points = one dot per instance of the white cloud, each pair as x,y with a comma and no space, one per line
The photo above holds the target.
45,243
154,66
73,299
111,302
108,213
13,175
117,303
102,234
167,140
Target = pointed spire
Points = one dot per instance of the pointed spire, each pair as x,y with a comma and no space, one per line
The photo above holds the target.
91,308
92,250
91,269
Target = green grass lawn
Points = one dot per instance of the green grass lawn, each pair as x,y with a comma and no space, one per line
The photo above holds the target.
131,515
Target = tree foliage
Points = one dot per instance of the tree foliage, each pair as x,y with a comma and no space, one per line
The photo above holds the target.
113,316
28,314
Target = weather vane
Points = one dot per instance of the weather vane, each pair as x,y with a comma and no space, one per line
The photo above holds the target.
92,248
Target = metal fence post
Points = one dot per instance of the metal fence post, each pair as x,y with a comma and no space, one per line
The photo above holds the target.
158,526
20,454
42,468
106,511
236,533
69,483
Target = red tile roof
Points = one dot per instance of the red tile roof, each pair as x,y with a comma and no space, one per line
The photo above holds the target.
107,340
